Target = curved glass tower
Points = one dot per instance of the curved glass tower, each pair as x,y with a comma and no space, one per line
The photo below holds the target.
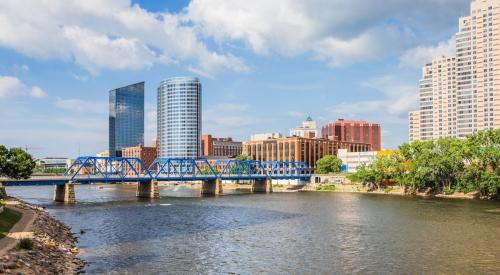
179,118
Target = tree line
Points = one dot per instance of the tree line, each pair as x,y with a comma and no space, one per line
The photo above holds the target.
441,166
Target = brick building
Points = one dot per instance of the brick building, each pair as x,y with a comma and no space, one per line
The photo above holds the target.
146,154
355,131
220,147
307,149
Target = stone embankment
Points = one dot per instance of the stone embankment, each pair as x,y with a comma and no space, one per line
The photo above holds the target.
54,248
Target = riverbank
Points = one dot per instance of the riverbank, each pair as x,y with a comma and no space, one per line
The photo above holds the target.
53,245
394,190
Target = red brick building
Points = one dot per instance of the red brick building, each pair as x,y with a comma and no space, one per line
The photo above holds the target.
146,154
358,131
220,147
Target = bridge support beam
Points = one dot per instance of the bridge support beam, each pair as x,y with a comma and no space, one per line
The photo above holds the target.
211,187
65,193
3,193
262,186
148,189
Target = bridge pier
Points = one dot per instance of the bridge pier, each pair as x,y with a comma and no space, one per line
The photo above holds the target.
262,186
211,187
3,193
65,193
148,189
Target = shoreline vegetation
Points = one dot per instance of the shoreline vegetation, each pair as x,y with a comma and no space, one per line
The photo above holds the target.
40,245
443,166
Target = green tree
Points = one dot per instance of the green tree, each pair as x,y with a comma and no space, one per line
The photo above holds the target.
15,163
328,165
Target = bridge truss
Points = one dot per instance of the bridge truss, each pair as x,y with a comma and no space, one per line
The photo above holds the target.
116,169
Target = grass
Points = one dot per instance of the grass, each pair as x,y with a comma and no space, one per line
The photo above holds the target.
278,185
388,190
8,218
325,187
25,244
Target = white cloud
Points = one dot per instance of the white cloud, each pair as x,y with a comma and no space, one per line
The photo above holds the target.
337,31
419,56
12,86
37,92
102,34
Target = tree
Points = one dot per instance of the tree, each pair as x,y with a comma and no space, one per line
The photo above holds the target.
328,165
15,163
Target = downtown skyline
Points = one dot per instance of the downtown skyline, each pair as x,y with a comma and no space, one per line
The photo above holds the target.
255,79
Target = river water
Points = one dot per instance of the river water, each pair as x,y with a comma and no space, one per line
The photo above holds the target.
279,233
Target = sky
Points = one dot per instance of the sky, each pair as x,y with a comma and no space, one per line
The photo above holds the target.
264,65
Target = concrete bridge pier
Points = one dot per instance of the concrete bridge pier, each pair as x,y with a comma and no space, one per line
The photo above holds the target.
262,186
211,187
65,193
3,193
148,189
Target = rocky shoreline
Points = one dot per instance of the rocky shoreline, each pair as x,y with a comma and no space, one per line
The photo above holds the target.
54,248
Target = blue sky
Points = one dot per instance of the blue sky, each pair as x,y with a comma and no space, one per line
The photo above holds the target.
264,65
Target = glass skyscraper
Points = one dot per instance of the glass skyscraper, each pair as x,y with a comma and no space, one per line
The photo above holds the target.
126,118
179,118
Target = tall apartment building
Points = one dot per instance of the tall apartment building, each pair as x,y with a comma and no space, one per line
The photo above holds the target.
355,131
179,118
478,65
126,118
438,99
298,149
471,101
414,126
220,147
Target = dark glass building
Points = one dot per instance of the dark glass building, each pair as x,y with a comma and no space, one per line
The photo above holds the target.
126,118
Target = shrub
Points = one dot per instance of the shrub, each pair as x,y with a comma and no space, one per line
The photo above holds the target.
448,191
25,244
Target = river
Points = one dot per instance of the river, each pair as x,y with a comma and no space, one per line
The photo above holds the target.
279,233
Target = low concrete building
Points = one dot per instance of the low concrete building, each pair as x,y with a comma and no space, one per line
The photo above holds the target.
52,163
355,159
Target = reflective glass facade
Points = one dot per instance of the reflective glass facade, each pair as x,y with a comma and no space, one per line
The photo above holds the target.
179,118
126,118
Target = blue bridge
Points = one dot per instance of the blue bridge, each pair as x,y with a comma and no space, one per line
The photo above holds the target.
88,170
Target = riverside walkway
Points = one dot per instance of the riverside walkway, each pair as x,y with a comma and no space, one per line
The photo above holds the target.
89,170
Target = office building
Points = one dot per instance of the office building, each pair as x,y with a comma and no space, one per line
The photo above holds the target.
460,95
220,147
308,128
179,118
354,131
298,149
146,154
126,118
